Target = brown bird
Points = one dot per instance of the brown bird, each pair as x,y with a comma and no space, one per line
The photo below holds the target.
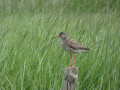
71,46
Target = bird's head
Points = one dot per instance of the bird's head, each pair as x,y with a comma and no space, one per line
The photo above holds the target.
62,35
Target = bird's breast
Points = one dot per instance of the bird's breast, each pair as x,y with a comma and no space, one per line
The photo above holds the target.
64,45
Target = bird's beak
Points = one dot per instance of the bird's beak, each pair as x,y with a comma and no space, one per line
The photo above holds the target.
57,36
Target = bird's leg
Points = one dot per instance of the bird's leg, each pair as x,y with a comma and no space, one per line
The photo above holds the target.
70,59
73,62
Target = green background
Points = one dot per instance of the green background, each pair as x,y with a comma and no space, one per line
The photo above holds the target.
31,60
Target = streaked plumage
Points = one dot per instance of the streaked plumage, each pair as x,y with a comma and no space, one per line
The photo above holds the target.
71,46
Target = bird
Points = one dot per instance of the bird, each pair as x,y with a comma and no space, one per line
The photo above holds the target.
71,46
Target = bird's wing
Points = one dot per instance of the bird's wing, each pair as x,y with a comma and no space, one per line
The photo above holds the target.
76,45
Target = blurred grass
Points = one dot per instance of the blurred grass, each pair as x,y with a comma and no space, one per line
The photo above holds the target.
31,59
66,6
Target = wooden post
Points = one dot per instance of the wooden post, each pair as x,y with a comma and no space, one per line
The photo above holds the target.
70,79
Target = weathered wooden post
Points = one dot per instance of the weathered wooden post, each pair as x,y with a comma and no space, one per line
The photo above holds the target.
70,79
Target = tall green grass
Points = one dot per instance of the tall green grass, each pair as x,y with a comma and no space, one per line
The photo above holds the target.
73,6
31,59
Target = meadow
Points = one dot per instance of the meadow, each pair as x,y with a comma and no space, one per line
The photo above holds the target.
30,59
